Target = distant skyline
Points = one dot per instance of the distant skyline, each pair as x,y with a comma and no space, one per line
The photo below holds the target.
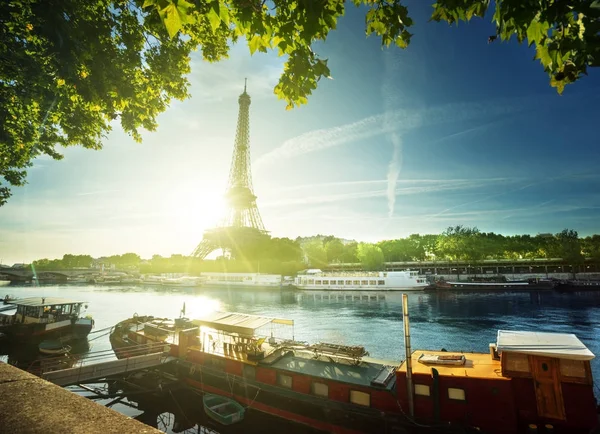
451,131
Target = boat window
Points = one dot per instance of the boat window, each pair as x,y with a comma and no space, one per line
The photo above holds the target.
356,282
320,389
249,372
311,282
364,282
284,380
360,398
340,282
381,282
317,282
372,282
516,362
348,283
422,389
456,394
572,368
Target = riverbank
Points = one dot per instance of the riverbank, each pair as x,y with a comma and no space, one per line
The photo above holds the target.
32,405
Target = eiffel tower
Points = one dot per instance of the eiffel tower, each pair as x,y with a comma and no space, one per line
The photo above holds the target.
241,226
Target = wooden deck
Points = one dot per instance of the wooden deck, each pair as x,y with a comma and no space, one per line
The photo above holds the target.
477,365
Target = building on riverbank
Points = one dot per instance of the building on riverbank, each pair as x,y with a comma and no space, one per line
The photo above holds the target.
519,268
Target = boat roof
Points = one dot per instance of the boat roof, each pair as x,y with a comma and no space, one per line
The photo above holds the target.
477,365
362,374
241,323
43,301
559,345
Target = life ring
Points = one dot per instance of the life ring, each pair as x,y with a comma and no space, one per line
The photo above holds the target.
135,315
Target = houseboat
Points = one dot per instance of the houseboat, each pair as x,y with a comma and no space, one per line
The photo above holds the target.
528,379
316,279
39,318
248,280
515,285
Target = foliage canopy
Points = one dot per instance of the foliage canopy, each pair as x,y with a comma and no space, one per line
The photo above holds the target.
69,69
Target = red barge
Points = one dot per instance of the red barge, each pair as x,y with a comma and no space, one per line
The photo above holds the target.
528,382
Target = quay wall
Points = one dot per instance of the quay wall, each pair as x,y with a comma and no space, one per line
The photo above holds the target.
29,404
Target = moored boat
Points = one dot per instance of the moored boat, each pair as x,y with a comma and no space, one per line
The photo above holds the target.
223,410
316,279
37,318
53,347
527,378
524,285
246,280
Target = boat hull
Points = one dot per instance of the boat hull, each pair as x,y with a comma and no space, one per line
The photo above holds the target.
36,332
358,288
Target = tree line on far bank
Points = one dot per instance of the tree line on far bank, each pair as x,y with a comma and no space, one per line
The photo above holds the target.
287,256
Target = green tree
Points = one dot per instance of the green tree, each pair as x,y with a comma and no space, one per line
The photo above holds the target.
334,249
315,253
70,69
370,256
568,247
349,255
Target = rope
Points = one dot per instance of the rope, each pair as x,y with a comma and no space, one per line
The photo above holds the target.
101,330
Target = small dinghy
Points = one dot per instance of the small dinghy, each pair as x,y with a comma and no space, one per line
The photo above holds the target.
53,347
435,359
223,410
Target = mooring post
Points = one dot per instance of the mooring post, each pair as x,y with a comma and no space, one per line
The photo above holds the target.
409,383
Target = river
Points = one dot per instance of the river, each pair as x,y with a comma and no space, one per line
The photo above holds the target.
452,320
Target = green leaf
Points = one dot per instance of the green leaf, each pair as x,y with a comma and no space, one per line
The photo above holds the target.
224,15
537,31
171,19
148,3
214,17
255,43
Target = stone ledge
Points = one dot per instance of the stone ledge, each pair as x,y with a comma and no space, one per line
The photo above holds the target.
29,404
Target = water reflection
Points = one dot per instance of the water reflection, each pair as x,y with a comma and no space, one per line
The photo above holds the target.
449,319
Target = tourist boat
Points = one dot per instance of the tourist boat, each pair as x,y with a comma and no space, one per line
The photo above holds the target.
374,281
184,281
152,280
248,280
528,379
39,318
4,282
577,285
53,347
222,410
524,285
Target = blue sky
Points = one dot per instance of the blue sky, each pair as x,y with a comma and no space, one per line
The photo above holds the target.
452,130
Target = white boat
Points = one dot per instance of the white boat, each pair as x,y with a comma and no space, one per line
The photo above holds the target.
184,281
242,279
361,281
4,282
152,280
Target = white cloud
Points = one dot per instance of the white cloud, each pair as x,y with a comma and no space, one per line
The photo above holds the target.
399,120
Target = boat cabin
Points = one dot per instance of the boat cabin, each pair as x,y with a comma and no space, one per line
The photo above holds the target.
40,310
528,379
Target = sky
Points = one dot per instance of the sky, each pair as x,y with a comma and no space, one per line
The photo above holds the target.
451,131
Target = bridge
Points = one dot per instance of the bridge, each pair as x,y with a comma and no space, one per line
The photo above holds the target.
25,274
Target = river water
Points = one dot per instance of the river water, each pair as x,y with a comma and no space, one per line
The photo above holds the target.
452,320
